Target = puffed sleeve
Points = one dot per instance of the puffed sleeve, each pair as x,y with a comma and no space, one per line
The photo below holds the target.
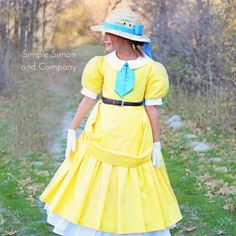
157,85
92,77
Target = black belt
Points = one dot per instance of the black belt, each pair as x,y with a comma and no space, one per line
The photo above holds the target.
120,103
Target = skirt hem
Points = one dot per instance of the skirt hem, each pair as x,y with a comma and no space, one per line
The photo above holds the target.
66,228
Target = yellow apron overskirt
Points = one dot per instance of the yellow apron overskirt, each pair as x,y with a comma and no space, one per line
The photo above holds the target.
109,183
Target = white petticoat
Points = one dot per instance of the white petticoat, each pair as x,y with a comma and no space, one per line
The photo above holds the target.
66,228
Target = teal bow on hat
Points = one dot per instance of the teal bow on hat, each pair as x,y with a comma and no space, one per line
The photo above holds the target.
124,80
137,29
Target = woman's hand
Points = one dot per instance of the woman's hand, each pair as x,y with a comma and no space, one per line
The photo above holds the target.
71,142
156,154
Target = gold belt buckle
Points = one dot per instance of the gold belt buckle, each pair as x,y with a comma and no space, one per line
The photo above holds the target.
122,103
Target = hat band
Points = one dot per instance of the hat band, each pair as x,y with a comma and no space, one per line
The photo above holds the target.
136,30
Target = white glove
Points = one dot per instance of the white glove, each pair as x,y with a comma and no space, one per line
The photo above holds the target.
71,142
156,154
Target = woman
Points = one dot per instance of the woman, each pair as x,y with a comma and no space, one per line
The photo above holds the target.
113,180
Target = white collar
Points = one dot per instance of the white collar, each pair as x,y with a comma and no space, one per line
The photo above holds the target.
117,63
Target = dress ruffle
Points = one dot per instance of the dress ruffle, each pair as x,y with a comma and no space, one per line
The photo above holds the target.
65,228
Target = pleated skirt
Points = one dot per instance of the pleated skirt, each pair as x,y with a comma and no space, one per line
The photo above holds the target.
109,186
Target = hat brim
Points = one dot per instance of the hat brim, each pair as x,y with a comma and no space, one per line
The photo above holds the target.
101,28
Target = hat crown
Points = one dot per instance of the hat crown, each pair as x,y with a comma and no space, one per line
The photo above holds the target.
123,17
124,23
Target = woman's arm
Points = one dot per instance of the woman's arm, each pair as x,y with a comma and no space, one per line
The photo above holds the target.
153,116
81,112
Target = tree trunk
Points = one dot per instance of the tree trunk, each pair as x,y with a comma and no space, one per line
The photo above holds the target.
30,35
44,24
23,23
15,38
3,26
163,19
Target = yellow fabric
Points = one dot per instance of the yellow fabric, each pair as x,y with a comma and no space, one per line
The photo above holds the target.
120,159
123,194
157,82
92,77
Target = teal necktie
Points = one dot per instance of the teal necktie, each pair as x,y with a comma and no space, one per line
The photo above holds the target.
124,80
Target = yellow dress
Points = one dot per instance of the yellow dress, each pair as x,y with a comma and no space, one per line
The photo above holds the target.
109,183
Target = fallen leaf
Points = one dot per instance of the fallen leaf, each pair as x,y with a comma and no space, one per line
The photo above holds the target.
203,178
229,205
188,171
220,232
226,190
11,232
212,184
189,228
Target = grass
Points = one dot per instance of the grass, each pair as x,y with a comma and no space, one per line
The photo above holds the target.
31,122
20,186
206,195
213,110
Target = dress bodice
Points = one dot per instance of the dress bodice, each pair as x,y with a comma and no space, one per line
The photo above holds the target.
151,78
